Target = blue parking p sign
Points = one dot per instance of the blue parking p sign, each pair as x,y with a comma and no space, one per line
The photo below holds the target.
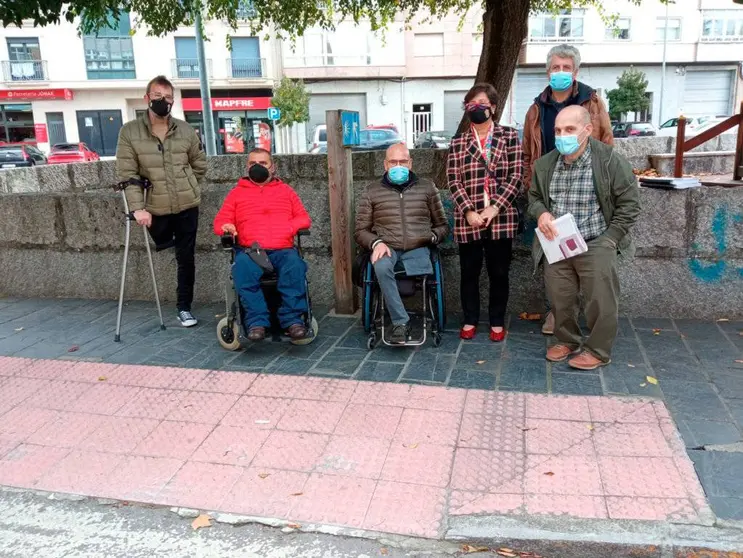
351,128
274,113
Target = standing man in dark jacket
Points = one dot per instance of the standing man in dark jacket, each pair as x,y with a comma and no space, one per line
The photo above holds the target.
167,152
397,219
564,90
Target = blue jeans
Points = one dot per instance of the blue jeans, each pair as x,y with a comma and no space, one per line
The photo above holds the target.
384,269
291,271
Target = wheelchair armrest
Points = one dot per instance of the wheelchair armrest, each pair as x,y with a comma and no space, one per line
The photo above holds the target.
303,232
227,241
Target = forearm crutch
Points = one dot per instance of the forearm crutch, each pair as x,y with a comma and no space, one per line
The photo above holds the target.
128,219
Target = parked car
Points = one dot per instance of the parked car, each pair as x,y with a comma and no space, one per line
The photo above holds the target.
383,127
710,123
374,140
71,153
670,126
433,140
633,129
319,137
20,155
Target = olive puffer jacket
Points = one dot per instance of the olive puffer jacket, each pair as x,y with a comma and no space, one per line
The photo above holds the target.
174,166
403,217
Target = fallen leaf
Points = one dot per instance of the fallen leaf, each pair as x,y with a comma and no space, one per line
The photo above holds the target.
723,320
102,378
19,329
202,521
549,474
469,549
297,494
589,426
739,361
507,552
73,349
263,475
651,380
530,317
294,525
656,332
383,551
631,365
410,446
481,362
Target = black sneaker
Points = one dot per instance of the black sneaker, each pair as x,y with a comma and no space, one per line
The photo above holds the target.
186,318
400,334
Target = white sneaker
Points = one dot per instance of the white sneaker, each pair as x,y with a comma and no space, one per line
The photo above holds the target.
186,319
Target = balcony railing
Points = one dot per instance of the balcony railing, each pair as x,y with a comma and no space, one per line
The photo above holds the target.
246,68
25,70
188,68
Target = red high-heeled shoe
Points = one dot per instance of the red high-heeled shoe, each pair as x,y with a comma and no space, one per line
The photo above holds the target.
497,336
467,334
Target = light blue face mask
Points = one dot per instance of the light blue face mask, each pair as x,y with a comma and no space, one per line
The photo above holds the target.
398,175
561,81
567,145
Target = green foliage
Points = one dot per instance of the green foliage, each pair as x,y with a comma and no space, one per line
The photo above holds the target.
292,98
629,96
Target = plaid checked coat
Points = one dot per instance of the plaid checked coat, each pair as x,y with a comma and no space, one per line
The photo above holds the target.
467,174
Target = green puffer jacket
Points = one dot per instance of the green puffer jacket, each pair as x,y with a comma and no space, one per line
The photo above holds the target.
174,167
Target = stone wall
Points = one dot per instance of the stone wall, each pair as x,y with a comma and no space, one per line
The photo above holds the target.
61,235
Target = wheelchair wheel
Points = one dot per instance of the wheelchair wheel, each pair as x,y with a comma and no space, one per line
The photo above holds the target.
371,341
228,336
437,339
310,338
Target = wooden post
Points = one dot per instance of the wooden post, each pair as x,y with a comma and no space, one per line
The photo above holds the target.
738,168
678,163
340,182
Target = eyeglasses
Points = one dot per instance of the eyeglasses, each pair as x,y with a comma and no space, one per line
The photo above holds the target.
168,98
398,162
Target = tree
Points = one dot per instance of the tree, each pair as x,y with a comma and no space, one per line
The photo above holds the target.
630,95
504,22
292,98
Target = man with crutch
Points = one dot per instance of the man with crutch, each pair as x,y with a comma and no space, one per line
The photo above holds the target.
159,163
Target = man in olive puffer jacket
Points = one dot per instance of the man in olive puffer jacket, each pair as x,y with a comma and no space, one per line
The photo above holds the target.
167,152
397,219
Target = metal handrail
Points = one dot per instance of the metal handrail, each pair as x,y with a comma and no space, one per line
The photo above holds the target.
24,70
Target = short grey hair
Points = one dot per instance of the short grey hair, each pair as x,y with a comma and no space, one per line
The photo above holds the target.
564,51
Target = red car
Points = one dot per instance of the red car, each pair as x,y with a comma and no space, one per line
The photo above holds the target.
71,153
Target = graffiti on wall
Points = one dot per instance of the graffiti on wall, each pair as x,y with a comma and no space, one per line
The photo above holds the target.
718,269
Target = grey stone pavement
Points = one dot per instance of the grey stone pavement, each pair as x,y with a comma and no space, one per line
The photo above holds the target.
695,367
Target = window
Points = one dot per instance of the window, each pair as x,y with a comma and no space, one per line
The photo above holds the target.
674,29
428,44
567,26
343,47
722,25
24,62
477,44
619,30
246,57
245,10
109,53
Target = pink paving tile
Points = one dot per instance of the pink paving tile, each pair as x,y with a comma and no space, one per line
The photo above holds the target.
496,403
10,366
650,477
257,412
312,416
47,369
81,472
651,509
177,440
673,438
200,485
694,489
152,403
119,434
553,437
566,475
406,509
431,427
141,478
640,440
60,396
90,372
478,503
265,492
6,447
67,430
392,395
21,422
479,470
157,377
356,457
495,432
18,389
414,397
227,382
207,408
418,464
330,499
105,399
370,421
231,445
296,451
23,466
661,410
296,387
608,409
557,407
585,507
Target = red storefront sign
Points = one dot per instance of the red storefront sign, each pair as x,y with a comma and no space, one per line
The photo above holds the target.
244,103
35,94
41,133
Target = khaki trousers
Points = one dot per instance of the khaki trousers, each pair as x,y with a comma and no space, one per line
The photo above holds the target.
595,274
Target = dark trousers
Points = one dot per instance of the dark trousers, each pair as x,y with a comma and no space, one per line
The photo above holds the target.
179,230
291,271
497,255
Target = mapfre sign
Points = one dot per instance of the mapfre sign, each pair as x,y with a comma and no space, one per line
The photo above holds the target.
224,103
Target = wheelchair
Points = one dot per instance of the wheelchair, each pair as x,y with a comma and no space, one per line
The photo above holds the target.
433,304
231,331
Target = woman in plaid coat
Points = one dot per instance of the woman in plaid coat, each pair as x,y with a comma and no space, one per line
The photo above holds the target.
485,168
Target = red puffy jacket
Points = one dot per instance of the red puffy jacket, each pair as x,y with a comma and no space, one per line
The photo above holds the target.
270,214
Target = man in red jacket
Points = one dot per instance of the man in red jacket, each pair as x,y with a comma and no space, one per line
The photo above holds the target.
265,213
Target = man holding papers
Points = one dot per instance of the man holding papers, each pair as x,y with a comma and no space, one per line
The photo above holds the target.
588,180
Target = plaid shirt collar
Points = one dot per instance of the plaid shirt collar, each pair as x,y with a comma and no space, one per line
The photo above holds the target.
581,162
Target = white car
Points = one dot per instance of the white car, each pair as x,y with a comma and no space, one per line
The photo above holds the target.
714,122
669,127
319,138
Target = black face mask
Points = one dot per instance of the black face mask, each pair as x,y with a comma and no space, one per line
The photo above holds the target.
479,116
258,174
160,107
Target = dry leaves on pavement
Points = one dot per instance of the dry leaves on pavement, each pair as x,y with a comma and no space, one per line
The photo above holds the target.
530,317
506,552
651,380
656,332
201,521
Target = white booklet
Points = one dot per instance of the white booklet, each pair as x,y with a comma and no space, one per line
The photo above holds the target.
568,242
